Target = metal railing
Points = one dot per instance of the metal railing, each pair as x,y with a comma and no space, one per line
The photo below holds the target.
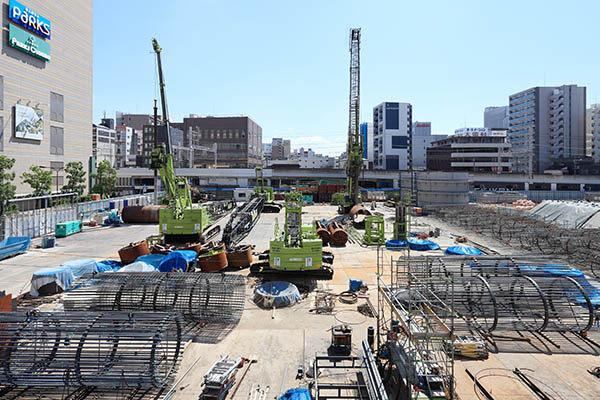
42,221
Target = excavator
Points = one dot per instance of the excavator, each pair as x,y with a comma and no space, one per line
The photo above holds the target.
181,221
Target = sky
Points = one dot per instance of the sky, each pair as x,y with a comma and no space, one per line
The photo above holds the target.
285,64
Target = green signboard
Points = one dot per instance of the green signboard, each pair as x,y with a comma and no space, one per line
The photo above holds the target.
28,43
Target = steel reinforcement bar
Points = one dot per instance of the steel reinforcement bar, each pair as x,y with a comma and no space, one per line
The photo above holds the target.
200,297
107,350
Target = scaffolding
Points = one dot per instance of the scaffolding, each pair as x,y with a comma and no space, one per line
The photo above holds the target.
415,335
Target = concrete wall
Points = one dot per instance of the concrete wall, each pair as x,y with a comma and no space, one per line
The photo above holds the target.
436,188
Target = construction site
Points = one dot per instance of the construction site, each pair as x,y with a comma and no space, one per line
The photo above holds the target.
279,298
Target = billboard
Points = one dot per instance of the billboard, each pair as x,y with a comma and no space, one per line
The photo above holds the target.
29,19
28,43
29,122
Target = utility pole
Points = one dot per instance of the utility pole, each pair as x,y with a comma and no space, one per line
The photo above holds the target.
155,144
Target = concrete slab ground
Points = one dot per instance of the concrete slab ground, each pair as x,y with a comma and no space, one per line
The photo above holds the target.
287,338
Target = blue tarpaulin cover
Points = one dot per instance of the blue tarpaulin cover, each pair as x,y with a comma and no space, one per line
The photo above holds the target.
296,394
276,294
422,245
177,260
355,285
152,259
463,250
14,245
395,244
63,276
108,265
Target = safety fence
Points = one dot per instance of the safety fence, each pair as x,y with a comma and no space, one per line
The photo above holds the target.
42,221
533,195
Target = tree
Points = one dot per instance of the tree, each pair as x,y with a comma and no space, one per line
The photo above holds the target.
39,179
75,178
106,178
7,189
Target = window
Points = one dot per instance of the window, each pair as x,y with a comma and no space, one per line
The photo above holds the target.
230,134
57,107
1,93
392,162
243,133
57,139
399,142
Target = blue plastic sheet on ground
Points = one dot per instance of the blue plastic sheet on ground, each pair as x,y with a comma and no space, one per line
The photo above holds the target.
463,250
14,245
113,219
108,265
152,259
395,244
178,260
276,294
63,275
422,245
296,394
355,285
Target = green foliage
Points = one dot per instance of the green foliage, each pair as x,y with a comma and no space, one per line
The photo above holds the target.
7,189
106,178
39,179
75,178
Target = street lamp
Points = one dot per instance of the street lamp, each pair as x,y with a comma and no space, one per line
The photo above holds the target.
54,168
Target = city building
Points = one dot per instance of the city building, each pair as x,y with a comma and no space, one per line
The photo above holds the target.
238,140
135,121
308,159
546,124
108,122
495,117
421,139
392,130
592,129
280,149
593,132
126,147
180,154
104,144
472,150
46,86
366,131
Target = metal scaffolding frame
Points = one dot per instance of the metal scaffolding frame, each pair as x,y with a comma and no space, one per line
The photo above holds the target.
199,297
415,336
104,350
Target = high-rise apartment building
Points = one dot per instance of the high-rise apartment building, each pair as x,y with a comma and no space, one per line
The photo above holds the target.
46,85
546,124
593,132
280,149
392,131
495,117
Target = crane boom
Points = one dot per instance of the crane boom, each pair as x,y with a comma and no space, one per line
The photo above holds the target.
177,188
355,145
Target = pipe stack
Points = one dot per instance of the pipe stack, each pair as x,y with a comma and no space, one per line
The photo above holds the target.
339,237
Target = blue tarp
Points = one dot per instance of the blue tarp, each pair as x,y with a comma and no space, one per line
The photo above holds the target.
177,260
422,245
276,294
463,250
113,219
108,265
395,244
14,245
152,259
63,276
355,285
296,394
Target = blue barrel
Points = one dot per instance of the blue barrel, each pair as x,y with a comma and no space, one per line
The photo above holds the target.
125,203
111,205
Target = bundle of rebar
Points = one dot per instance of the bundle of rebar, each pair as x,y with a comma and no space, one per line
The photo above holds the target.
579,247
89,349
504,294
200,297
242,221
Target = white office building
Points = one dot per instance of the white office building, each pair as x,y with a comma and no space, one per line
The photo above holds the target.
420,141
593,132
126,146
392,131
104,144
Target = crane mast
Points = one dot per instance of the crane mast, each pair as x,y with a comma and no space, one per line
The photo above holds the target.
355,145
